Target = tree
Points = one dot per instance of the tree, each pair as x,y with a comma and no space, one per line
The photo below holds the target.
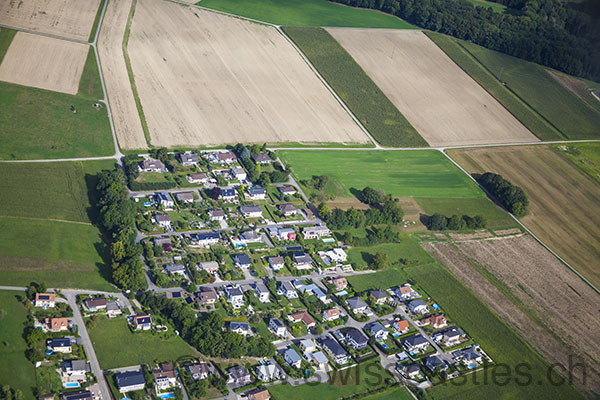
371,196
438,222
381,260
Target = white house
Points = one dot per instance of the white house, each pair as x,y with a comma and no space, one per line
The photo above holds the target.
164,380
251,211
337,255
267,373
241,328
235,297
276,263
315,232
262,292
292,358
256,193
331,314
164,199
277,327
212,267
418,307
175,269
357,305
188,159
287,289
378,331
239,174
45,300
319,360
216,215
307,345
151,165
130,381
163,220
406,292
197,178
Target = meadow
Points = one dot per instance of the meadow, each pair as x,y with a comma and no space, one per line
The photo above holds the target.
307,13
90,85
585,155
15,369
397,393
575,116
495,216
418,173
362,96
116,346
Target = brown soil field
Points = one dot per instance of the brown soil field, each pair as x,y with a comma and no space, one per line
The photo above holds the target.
504,232
471,236
72,19
536,295
208,79
44,62
564,200
576,86
120,96
443,103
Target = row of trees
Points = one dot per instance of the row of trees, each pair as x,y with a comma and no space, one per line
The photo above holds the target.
264,178
206,333
117,219
439,222
512,197
547,32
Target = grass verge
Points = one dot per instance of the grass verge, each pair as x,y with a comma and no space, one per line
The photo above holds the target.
96,21
90,85
6,37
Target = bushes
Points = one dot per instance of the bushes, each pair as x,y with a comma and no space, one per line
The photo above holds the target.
512,197
439,222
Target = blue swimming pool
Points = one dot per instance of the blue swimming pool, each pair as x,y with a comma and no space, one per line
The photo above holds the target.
385,346
167,395
328,240
472,365
72,384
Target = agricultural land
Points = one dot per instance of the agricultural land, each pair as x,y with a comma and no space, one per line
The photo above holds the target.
562,199
71,19
307,13
368,103
585,155
243,82
442,102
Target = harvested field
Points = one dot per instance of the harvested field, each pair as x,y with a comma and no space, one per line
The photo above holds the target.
122,103
208,79
443,103
43,62
72,19
564,200
536,294
471,236
505,232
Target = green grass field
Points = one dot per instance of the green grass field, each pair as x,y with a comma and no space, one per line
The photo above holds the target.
520,85
6,36
397,393
307,13
90,85
420,173
15,369
585,155
53,190
116,346
495,216
378,280
362,96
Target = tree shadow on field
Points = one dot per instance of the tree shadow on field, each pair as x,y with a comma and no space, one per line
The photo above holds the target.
104,268
367,257
93,213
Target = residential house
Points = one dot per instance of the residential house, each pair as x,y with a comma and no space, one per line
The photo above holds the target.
302,316
451,338
287,289
356,339
163,220
287,190
250,237
292,358
331,314
406,292
262,292
267,373
400,327
60,345
256,193
130,381
378,296
226,157
45,300
340,283
235,297
164,379
282,233
357,305
188,159
199,371
335,350
412,370
185,197
242,260
216,215
262,158
314,290
319,360
258,394
207,239
251,211
175,269
164,199
336,255
277,327
55,324
165,243
141,322
378,331
276,263
307,345
437,321
206,297
78,395
433,362
287,209
239,174
418,307
238,375
302,260
197,178
470,355
315,232
73,371
212,267
227,194
113,309
241,328
415,343
94,304
151,165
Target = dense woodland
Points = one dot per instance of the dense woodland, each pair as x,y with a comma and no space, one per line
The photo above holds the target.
547,32
512,197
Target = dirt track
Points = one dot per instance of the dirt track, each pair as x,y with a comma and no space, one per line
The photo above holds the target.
564,201
565,306
43,62
68,18
122,104
204,78
443,103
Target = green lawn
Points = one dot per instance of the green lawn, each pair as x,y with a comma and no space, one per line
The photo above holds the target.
378,280
15,370
116,346
53,190
481,206
370,105
396,393
306,13
6,36
421,173
585,155
60,254
569,115
90,85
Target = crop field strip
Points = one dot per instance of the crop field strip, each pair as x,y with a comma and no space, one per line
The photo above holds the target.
562,199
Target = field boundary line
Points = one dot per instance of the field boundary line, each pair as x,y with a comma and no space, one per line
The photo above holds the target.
583,278
50,35
47,219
